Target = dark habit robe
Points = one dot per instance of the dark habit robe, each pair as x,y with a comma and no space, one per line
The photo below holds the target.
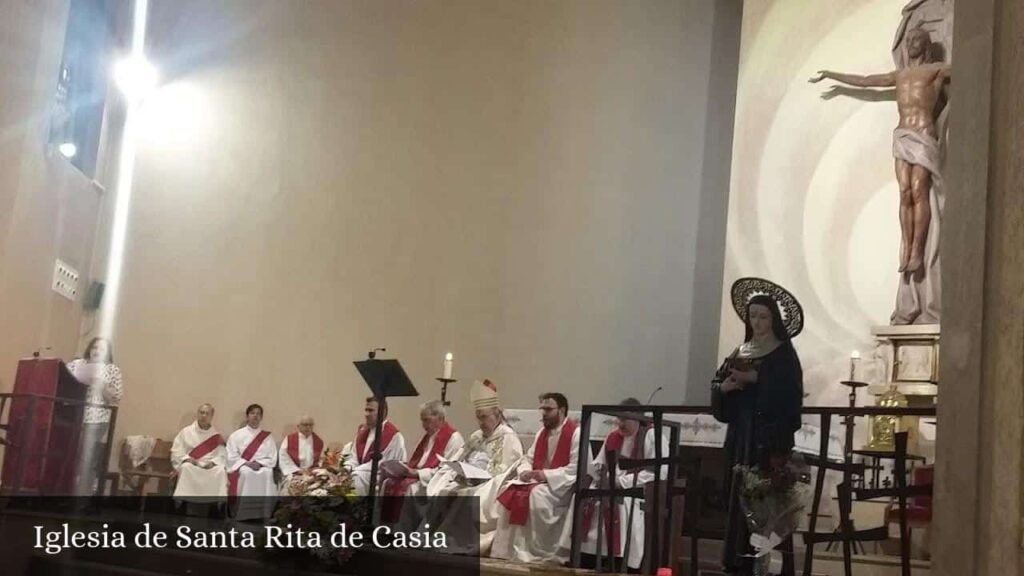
762,419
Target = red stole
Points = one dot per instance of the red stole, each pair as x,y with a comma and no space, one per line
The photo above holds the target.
293,449
206,446
613,443
444,434
363,433
516,498
247,455
396,487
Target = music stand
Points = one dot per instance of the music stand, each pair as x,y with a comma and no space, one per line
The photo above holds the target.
386,379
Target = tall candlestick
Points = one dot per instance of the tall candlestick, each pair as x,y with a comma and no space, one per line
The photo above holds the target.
854,357
449,362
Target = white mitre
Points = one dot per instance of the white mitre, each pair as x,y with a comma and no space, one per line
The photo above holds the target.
484,395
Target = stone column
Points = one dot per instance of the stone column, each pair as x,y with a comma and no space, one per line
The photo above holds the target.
977,523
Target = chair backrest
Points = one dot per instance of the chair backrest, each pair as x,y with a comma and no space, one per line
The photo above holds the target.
922,476
160,459
124,461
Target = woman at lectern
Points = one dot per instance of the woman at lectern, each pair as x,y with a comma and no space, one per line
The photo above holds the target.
95,370
758,392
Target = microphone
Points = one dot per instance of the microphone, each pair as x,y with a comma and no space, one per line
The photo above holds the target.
651,397
37,353
373,353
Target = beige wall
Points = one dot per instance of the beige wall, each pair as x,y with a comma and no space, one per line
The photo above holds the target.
516,182
813,203
519,183
47,208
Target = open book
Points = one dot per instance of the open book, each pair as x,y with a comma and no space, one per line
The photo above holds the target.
394,468
466,470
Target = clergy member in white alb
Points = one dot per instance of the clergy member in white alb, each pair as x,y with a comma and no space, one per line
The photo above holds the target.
631,440
410,479
495,448
439,440
358,452
300,452
199,459
252,456
534,509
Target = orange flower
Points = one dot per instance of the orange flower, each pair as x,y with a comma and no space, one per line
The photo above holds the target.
332,458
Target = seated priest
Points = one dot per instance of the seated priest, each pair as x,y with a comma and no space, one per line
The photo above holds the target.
439,440
410,479
495,449
631,440
534,507
252,456
358,453
199,460
300,452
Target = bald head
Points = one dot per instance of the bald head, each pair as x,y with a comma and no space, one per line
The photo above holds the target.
306,425
204,415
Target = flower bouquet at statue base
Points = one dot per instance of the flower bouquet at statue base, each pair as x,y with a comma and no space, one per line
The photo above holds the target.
774,499
322,501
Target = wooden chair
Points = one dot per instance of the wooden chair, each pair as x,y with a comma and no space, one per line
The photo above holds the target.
671,513
918,509
902,492
157,467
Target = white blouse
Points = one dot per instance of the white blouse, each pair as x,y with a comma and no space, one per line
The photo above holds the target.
104,387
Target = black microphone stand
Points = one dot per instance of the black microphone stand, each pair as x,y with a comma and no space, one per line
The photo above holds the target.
376,455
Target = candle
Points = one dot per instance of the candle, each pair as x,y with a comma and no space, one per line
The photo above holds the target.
449,361
854,357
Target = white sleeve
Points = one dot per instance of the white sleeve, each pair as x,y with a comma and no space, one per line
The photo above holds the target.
267,454
395,449
234,454
464,452
455,444
178,450
562,480
512,452
219,456
348,456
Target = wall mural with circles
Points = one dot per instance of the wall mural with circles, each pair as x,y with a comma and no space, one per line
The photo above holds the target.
813,200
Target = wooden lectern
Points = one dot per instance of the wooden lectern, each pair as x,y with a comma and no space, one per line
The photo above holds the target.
43,429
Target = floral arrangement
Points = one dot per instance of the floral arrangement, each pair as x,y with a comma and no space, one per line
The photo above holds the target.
321,500
773,499
329,479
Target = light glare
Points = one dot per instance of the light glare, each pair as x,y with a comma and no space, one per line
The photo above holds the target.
136,77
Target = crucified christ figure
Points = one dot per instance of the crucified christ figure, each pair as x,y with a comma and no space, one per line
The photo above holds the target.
915,141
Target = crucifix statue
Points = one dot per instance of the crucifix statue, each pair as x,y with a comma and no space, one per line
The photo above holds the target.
922,52
919,92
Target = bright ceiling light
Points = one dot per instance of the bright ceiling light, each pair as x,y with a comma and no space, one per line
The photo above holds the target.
136,78
68,149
